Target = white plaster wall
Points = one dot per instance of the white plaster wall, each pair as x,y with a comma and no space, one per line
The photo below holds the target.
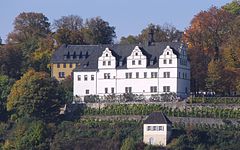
80,87
160,137
139,85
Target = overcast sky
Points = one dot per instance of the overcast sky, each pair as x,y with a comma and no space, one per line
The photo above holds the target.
128,16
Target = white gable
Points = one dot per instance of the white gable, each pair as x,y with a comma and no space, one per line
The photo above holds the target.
137,59
107,60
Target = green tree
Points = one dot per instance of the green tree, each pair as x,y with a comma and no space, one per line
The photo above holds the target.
5,87
10,60
129,40
98,31
27,134
128,144
233,7
36,95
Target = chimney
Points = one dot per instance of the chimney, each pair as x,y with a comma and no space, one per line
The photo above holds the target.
150,36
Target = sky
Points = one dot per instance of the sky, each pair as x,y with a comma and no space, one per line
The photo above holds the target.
129,17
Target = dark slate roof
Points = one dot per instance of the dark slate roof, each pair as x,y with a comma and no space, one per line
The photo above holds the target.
157,118
87,55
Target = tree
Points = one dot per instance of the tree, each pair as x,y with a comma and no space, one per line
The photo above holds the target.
214,78
10,61
207,32
68,30
5,87
233,7
165,33
29,25
129,40
27,133
71,22
40,59
67,86
98,31
36,95
128,144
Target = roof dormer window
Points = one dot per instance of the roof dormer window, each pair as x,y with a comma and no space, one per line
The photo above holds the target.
151,62
167,53
120,63
136,54
106,55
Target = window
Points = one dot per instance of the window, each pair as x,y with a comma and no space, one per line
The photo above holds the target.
128,89
167,53
85,77
137,74
183,76
166,74
120,63
106,90
179,74
64,65
148,128
154,128
70,65
128,75
79,77
92,77
109,63
166,88
153,89
133,62
112,90
61,74
170,61
153,74
106,55
136,54
58,65
139,62
106,75
164,61
160,128
104,63
87,91
145,74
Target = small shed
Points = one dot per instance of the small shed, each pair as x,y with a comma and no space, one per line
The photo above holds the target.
157,129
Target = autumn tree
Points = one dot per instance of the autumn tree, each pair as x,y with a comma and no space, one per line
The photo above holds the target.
214,76
98,31
68,30
204,37
29,25
35,95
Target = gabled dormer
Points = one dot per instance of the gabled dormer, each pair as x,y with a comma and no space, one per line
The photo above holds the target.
168,57
137,59
107,60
